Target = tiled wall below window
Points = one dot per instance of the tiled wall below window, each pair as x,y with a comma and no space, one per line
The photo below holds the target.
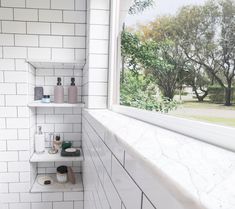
114,178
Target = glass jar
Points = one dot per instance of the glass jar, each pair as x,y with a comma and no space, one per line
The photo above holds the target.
62,174
46,99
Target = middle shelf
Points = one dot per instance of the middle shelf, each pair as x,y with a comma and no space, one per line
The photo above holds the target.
46,157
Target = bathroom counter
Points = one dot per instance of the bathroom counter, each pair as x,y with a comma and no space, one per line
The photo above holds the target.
197,174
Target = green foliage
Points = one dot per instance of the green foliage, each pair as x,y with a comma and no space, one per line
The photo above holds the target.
140,91
216,94
140,5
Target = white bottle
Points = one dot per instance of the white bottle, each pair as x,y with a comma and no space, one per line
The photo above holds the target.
39,141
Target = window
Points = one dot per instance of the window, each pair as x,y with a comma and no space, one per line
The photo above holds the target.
177,59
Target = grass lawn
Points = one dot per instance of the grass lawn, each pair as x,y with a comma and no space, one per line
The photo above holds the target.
206,112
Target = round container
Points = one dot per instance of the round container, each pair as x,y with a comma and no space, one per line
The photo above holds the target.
46,99
62,174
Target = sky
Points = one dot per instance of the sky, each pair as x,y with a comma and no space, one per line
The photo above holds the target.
162,7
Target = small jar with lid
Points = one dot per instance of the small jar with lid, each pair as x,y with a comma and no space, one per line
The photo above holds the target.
62,174
46,99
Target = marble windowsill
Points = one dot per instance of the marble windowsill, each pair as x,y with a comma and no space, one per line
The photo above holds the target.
192,171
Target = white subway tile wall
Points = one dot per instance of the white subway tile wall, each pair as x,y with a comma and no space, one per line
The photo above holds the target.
36,29
109,181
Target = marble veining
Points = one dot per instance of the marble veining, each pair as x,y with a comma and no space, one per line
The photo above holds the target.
197,174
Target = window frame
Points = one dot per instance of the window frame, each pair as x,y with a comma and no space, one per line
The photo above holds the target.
218,135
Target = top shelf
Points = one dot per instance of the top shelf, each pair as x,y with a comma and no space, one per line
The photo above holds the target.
40,104
58,64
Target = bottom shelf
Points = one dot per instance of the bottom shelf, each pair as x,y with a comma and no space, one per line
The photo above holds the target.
57,187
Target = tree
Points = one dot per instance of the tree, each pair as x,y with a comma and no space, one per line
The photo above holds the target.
207,39
140,5
139,90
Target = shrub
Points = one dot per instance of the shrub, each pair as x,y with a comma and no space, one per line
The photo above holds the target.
217,94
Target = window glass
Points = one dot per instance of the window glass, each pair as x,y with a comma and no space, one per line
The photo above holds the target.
178,58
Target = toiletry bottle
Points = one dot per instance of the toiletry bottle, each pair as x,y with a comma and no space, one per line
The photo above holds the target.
39,141
72,92
59,92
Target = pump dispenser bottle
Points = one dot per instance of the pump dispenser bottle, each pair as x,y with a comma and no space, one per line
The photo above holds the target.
72,92
39,141
59,92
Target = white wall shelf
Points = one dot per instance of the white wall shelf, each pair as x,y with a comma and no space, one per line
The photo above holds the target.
40,104
58,64
58,187
46,157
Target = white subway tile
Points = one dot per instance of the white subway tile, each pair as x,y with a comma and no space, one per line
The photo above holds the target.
99,46
6,13
3,188
17,123
23,133
78,205
24,156
56,196
99,17
8,134
100,4
72,119
75,16
30,197
44,72
43,205
2,123
16,77
9,177
63,205
80,4
63,72
22,88
26,14
43,53
62,29
51,41
3,167
15,52
98,61
1,76
6,39
80,54
80,29
21,65
9,198
42,4
19,206
63,128
7,64
18,187
13,27
74,42
18,145
54,118
63,110
99,89
147,204
97,102
98,75
3,146
63,54
38,28
73,196
18,166
99,32
62,4
13,3
26,40
50,15
2,102
8,112
7,88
